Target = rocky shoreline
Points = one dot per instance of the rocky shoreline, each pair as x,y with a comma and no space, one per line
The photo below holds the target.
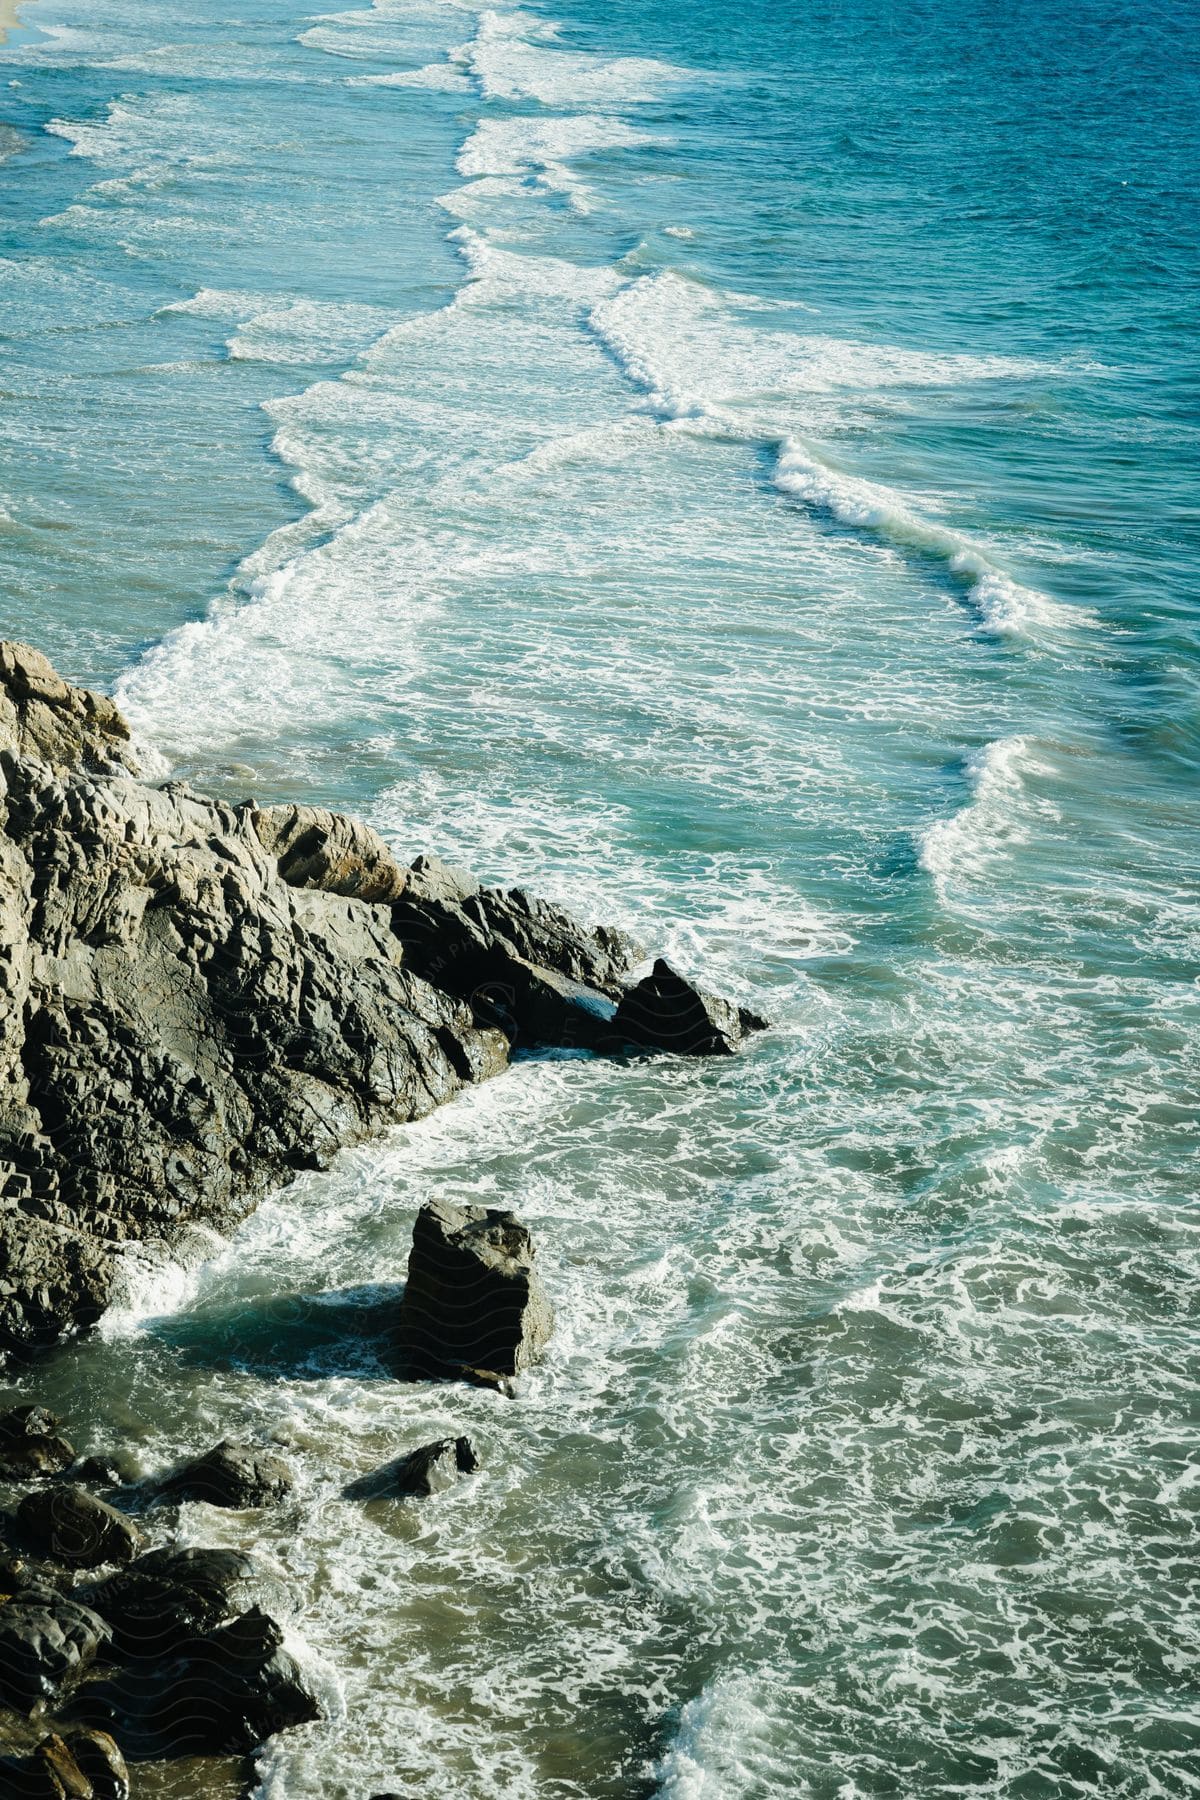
199,1000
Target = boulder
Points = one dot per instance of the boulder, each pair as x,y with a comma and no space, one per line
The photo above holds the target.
428,1470
47,1639
31,1443
429,878
65,727
324,850
55,1759
168,1597
71,1526
226,1692
473,1305
668,1012
104,1471
99,1759
234,1475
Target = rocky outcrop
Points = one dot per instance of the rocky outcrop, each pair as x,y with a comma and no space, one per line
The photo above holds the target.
226,1690
422,1472
197,999
164,1600
473,1307
233,1475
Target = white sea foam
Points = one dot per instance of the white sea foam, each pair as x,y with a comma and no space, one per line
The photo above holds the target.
515,146
698,365
509,65
961,852
1004,606
153,1280
440,77
723,1747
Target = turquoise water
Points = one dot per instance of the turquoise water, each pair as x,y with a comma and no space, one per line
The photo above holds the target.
733,470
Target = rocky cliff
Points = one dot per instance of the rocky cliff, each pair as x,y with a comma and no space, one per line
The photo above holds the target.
197,999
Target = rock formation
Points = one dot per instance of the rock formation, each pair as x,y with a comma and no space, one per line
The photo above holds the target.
668,1012
197,999
474,1307
31,1444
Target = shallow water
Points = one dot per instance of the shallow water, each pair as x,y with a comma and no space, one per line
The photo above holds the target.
735,474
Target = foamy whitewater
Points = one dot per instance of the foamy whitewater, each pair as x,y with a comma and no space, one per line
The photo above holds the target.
732,470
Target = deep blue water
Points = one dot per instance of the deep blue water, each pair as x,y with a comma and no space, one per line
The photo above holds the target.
735,470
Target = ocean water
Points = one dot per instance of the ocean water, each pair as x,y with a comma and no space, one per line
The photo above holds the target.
733,470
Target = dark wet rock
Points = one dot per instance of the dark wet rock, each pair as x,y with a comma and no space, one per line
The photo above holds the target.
23,1566
522,965
222,1695
668,1012
427,1470
73,1527
34,1777
31,1443
99,1758
47,1640
474,1305
198,999
234,1475
165,1599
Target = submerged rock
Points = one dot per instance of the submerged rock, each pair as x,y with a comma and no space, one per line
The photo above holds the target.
31,1443
474,1306
198,999
233,1475
668,1012
73,1527
47,1640
428,1470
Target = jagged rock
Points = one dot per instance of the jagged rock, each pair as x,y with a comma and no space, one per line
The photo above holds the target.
31,1443
473,1305
168,1597
99,1759
66,727
234,1475
427,1470
227,1691
73,1527
429,878
668,1012
46,1640
521,964
198,999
